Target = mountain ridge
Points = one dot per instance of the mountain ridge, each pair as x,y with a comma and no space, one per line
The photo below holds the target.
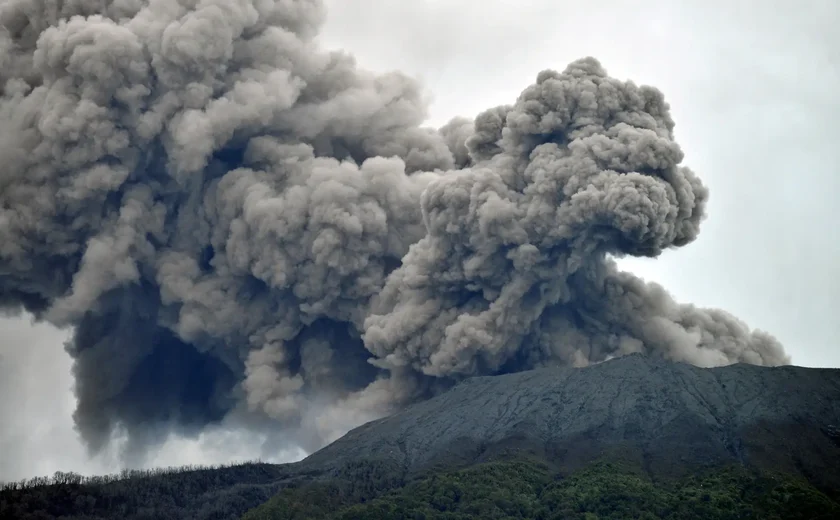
637,400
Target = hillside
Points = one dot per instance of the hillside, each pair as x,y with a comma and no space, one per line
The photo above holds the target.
625,437
528,489
670,417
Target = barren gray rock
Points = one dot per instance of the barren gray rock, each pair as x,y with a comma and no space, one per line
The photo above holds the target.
669,416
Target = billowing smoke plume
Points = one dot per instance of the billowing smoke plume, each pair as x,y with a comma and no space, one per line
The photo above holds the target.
235,221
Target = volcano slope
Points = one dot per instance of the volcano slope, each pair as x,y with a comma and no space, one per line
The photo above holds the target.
669,417
633,437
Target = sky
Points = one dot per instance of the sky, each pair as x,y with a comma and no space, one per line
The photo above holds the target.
752,87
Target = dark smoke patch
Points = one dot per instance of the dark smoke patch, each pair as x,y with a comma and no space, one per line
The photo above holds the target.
133,374
239,224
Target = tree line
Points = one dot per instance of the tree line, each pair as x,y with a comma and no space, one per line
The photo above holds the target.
64,478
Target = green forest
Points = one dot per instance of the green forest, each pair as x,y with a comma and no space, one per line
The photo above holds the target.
505,489
530,490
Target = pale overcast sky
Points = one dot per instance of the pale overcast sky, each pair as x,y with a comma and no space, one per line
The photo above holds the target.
753,89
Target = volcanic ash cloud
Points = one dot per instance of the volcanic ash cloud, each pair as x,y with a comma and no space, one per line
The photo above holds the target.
237,223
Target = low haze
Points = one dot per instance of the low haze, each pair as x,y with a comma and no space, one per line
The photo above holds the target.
751,87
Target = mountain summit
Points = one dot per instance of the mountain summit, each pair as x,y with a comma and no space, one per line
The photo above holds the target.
670,417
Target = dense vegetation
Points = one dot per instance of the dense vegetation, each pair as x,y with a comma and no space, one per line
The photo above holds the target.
525,489
509,489
219,492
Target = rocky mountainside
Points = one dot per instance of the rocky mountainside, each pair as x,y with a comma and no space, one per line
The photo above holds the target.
669,417
633,437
